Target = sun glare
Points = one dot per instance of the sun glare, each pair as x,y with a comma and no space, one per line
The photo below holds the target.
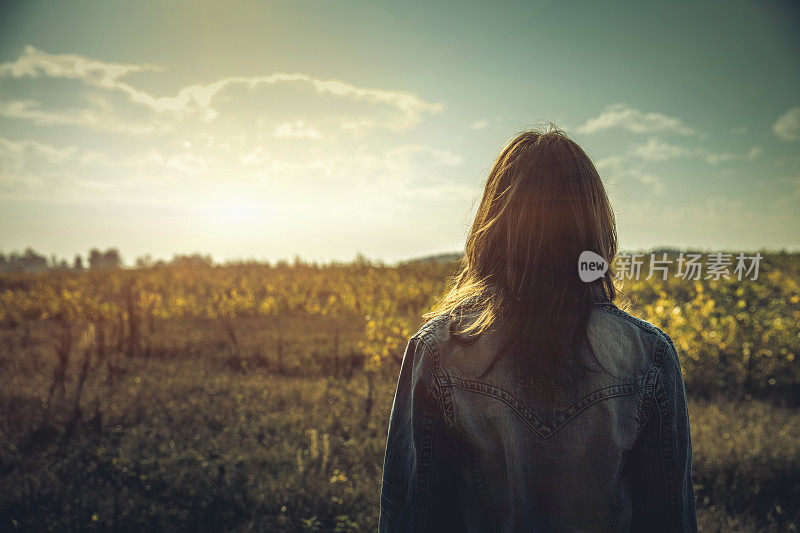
234,211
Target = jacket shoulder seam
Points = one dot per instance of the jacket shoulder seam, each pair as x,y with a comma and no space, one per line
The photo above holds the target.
642,324
427,333
659,349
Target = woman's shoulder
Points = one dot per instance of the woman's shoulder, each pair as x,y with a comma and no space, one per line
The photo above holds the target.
432,331
614,313
610,325
445,326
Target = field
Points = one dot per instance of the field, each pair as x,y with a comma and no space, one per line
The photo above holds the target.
256,397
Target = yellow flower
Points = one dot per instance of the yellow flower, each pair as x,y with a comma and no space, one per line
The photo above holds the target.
338,477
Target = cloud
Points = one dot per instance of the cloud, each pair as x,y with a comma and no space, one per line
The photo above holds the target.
197,99
657,150
443,157
17,148
787,127
15,157
484,123
34,62
649,179
256,156
634,120
296,129
793,183
410,104
447,189
30,110
187,162
209,145
611,163
33,164
755,152
446,157
479,125
358,125
618,168
26,148
393,167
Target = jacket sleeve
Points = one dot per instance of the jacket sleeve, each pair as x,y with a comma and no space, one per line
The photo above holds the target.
418,481
659,467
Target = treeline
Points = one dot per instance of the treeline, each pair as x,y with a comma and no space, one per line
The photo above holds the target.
32,261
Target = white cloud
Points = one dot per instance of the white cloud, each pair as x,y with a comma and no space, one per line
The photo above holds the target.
649,179
191,162
755,152
52,153
257,156
634,120
30,110
479,125
26,149
657,150
34,62
186,162
410,104
617,168
296,129
445,189
358,125
392,169
611,163
33,164
794,188
197,99
405,151
787,127
446,157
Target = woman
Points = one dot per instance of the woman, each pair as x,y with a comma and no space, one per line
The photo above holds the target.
529,401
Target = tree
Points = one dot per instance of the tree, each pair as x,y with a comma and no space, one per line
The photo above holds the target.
144,261
29,261
102,260
192,260
95,259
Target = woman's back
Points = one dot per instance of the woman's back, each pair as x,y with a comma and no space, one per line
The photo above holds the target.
493,451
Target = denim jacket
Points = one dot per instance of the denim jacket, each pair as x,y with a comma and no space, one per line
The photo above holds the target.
610,452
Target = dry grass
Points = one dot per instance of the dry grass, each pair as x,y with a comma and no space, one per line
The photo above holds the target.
182,440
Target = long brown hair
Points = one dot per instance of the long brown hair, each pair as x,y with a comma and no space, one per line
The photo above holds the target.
543,204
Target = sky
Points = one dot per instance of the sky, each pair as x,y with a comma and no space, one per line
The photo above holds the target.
327,128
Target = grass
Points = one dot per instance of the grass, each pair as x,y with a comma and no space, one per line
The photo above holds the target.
186,440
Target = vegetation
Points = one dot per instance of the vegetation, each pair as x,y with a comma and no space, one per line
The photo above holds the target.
257,396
